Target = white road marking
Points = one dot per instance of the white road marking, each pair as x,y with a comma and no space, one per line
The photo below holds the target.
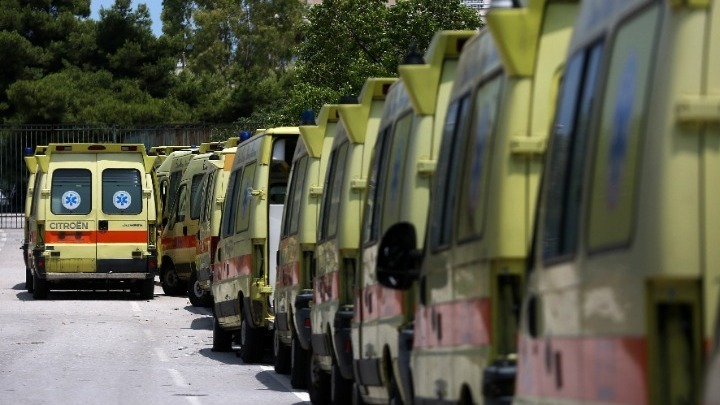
193,400
161,355
135,307
303,396
177,378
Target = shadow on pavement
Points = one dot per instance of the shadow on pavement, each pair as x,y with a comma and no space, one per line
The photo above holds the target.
273,381
84,295
205,323
198,310
223,357
20,286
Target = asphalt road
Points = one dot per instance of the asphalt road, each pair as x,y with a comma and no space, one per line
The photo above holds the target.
113,348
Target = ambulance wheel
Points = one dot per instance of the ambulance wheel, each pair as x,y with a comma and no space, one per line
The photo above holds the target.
198,297
356,397
251,341
222,339
319,384
299,364
394,391
340,387
147,289
170,281
282,361
40,288
28,280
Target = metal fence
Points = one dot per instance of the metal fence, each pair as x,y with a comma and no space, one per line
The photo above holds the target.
15,139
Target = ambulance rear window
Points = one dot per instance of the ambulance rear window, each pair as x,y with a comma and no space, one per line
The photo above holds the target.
71,192
121,191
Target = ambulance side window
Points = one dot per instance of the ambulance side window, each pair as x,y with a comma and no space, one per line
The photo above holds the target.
181,204
373,203
228,216
36,193
567,155
335,192
617,155
295,197
71,192
245,199
477,161
330,173
443,204
209,193
196,196
395,174
121,191
175,178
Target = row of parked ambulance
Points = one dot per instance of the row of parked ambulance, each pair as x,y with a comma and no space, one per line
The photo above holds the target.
526,215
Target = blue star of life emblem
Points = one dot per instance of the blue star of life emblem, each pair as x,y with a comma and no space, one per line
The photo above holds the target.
121,200
70,200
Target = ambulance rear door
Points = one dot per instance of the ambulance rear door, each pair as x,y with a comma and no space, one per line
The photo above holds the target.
122,213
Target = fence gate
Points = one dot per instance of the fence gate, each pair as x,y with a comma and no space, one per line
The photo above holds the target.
15,139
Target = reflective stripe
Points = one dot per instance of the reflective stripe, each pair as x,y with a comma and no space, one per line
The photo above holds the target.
457,323
96,237
179,242
609,369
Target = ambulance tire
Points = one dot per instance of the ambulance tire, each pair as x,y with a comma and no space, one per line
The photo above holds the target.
282,361
299,367
394,397
170,281
198,297
319,384
147,289
356,397
40,288
251,341
340,387
222,339
28,280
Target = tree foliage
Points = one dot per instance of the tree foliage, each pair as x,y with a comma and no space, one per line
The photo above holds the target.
217,60
347,41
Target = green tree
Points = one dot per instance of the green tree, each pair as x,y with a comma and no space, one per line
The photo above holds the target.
76,96
128,49
32,38
347,41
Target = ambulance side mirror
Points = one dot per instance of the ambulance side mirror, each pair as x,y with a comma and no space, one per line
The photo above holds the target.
399,259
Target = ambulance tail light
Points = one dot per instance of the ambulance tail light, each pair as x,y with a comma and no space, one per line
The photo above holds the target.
63,148
128,148
96,147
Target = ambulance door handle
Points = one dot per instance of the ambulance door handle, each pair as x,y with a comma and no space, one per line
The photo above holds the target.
184,230
103,225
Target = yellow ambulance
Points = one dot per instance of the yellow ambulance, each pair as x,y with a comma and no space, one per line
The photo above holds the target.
623,290
179,241
214,185
92,219
404,160
296,260
338,240
32,165
168,175
245,265
482,211
179,237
